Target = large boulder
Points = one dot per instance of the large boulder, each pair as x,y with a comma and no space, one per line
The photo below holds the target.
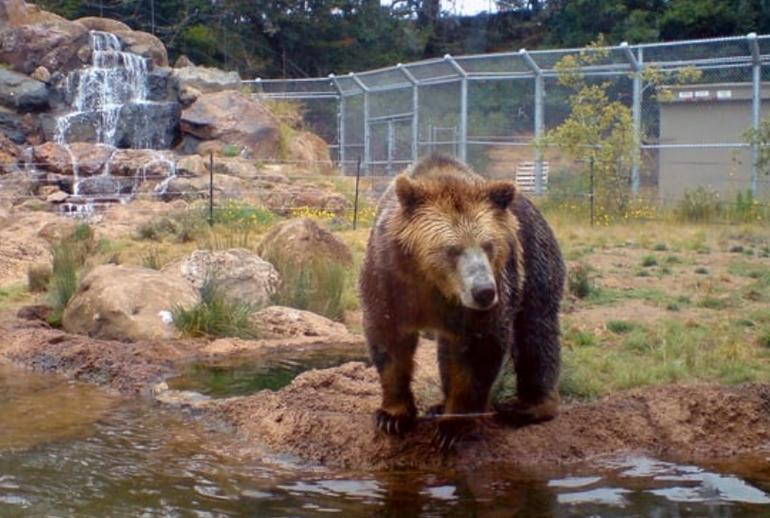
197,187
144,44
54,158
13,13
95,23
60,46
310,152
232,118
22,93
206,79
283,322
91,158
128,304
242,275
301,241
284,198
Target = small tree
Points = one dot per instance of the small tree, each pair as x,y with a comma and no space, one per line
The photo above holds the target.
599,133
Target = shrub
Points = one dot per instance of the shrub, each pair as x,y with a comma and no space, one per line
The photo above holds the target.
579,281
152,259
231,150
38,277
649,260
317,285
215,315
621,326
69,257
698,206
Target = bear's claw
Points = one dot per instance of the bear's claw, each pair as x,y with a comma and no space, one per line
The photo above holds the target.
393,425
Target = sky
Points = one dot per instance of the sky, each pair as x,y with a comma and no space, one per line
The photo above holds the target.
466,7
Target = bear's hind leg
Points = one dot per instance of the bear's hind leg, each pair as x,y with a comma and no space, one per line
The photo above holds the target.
537,358
393,356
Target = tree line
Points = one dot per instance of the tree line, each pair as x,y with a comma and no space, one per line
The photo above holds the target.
310,38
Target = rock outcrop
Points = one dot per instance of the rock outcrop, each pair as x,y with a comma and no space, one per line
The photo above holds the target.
127,304
303,240
242,276
230,118
22,93
280,322
205,79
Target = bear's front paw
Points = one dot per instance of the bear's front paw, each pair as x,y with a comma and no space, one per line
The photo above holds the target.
393,424
435,410
451,432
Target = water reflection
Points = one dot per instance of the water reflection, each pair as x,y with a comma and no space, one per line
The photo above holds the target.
123,457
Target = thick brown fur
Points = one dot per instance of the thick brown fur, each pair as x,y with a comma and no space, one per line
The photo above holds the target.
409,283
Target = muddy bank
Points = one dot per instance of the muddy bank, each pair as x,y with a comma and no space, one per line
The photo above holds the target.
133,367
324,416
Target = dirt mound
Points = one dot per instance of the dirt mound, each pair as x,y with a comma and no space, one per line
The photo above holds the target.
326,417
125,367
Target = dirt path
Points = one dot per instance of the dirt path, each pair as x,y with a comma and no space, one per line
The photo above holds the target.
324,416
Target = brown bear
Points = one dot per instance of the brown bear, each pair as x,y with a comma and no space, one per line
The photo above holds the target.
475,263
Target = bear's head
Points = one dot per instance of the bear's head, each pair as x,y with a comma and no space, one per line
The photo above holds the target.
460,232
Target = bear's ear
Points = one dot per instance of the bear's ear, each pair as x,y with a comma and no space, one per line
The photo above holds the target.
410,194
501,193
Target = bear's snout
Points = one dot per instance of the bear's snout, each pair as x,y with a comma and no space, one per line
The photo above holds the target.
478,288
484,296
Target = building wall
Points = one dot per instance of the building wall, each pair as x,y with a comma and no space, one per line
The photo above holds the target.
707,121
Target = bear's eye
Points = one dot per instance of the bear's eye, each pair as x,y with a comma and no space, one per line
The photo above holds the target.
453,251
488,247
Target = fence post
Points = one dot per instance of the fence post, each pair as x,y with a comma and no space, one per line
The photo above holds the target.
355,201
340,123
537,72
591,195
415,110
367,131
756,105
211,188
463,138
636,113
391,142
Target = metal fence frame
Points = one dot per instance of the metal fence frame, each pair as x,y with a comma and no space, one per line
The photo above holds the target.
628,60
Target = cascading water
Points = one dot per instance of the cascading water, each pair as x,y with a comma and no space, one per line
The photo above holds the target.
111,105
115,79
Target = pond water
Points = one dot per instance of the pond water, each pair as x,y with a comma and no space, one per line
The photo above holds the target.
68,449
275,372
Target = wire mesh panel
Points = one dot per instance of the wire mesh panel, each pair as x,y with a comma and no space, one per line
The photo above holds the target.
691,104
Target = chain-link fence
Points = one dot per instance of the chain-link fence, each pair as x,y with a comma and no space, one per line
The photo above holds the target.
490,110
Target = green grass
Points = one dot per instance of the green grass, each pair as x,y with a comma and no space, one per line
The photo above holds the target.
70,256
649,260
319,286
215,315
670,352
621,326
11,294
606,296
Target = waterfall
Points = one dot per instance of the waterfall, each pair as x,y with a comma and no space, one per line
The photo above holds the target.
114,79
110,104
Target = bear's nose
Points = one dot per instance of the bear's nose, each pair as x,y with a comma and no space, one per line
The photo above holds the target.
484,295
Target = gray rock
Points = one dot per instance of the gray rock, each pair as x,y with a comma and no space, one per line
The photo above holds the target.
242,275
206,79
11,126
22,93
